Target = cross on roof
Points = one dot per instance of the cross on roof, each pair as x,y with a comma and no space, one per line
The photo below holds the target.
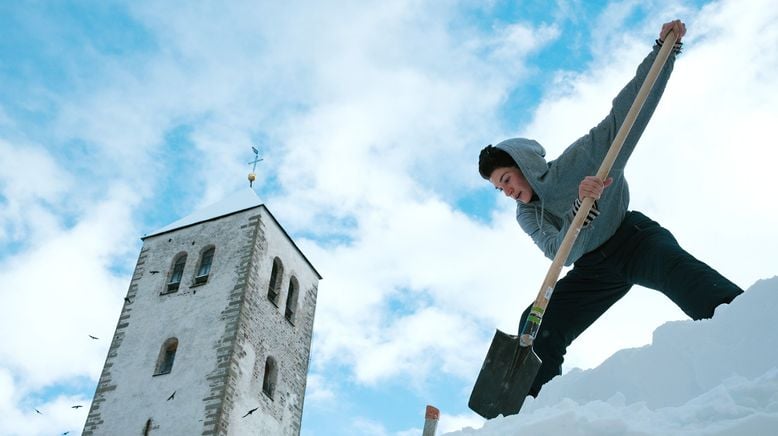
253,176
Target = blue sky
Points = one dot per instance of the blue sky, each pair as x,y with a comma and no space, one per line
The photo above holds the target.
117,118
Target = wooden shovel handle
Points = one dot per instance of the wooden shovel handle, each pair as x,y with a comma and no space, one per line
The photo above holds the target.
532,325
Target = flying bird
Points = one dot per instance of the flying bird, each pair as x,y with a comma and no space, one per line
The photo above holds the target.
76,406
173,395
67,432
250,412
94,337
38,411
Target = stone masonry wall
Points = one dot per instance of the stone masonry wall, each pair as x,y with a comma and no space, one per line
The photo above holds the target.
226,329
264,331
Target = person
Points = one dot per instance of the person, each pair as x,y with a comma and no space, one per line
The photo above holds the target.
616,247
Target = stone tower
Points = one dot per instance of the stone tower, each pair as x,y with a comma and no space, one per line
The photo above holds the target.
215,332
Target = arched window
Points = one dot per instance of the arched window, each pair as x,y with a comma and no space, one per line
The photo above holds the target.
206,259
291,299
271,376
176,273
274,288
166,357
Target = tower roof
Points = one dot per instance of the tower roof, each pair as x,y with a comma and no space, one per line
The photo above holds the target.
237,202
244,199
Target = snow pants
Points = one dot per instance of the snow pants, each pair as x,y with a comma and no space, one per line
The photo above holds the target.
641,252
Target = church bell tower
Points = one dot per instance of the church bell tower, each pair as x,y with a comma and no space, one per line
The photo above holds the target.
215,332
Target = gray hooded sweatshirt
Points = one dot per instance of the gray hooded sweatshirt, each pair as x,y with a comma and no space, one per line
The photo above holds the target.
547,217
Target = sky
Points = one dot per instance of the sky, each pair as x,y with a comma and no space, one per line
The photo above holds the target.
118,118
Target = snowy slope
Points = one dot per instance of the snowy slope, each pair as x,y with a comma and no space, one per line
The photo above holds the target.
711,377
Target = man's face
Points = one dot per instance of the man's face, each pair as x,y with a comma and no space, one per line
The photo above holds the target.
512,183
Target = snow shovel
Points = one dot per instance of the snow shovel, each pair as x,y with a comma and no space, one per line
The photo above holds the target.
511,364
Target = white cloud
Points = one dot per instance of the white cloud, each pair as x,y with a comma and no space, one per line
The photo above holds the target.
449,423
31,188
317,390
20,417
355,97
514,42
373,115
367,426
62,290
417,258
376,106
419,248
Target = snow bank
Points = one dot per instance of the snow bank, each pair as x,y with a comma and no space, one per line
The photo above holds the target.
711,377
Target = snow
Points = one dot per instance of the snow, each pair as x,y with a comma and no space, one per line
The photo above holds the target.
710,377
238,201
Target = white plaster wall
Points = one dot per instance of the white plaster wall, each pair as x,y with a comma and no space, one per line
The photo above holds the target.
192,314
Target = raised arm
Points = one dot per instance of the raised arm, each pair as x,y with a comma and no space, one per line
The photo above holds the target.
594,145
586,154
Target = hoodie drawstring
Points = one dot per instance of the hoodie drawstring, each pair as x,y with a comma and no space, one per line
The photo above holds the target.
542,211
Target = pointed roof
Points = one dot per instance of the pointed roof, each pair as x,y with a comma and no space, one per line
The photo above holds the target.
244,199
237,202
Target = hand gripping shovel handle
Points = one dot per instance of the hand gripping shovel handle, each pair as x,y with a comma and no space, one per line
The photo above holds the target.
532,325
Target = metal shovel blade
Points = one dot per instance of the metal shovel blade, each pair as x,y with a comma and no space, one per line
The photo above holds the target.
505,378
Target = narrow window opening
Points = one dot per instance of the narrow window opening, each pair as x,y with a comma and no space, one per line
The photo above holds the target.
291,300
167,356
205,266
176,273
275,281
271,375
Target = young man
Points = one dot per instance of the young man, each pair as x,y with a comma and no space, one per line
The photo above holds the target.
616,248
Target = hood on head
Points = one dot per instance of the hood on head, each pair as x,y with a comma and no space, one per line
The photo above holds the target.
529,156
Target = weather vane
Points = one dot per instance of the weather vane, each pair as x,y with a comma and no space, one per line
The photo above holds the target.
252,174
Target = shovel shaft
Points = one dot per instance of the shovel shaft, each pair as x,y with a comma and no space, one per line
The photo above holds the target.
532,325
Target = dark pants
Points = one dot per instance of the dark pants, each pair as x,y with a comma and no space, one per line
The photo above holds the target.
641,252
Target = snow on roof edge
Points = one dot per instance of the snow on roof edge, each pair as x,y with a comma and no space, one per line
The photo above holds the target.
236,202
